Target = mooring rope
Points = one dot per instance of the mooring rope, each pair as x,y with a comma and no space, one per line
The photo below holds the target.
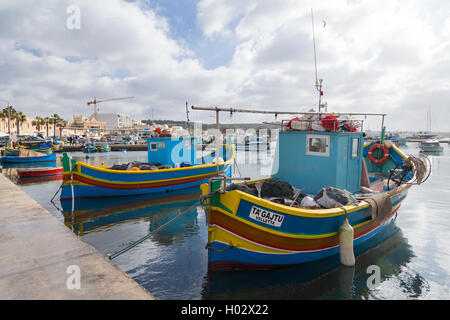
148,235
53,203
56,192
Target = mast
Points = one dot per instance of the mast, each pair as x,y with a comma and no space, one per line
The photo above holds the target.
319,82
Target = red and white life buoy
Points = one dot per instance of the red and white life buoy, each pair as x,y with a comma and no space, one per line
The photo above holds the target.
378,146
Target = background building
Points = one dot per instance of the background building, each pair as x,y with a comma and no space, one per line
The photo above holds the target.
115,120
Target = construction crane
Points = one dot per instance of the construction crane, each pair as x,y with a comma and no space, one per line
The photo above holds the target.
95,102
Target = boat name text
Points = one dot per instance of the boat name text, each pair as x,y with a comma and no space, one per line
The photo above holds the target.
267,217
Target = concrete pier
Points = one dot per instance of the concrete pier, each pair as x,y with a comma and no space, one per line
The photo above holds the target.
40,257
114,147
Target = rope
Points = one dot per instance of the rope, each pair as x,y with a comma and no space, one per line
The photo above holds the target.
71,183
218,250
236,165
53,203
56,192
148,235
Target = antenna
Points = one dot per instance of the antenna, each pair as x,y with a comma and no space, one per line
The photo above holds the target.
318,81
187,112
314,45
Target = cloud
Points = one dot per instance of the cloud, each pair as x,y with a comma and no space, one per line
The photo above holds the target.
391,58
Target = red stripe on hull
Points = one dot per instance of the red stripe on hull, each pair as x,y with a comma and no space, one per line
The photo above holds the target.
138,186
308,249
39,173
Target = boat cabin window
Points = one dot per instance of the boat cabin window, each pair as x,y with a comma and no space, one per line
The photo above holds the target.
355,148
317,145
153,146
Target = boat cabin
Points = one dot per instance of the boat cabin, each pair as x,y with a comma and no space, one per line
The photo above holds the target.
172,151
312,160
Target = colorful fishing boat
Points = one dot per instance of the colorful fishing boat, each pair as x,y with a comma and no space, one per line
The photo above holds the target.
43,147
36,145
11,152
57,146
90,148
29,156
103,148
178,168
39,171
249,229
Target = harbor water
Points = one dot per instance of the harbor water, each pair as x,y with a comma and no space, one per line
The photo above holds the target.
412,258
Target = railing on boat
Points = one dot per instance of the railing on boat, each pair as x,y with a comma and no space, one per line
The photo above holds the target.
276,113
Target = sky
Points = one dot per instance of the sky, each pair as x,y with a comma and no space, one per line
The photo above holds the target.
373,56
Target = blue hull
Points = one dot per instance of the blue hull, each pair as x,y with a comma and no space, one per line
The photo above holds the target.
16,159
90,191
245,257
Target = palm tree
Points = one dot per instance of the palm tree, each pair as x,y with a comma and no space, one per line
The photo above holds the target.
20,118
38,122
47,121
3,116
11,111
55,118
61,124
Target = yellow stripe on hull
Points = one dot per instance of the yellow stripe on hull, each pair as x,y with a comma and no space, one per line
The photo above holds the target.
219,234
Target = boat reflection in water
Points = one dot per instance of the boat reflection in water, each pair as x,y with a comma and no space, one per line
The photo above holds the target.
123,215
326,278
38,180
10,170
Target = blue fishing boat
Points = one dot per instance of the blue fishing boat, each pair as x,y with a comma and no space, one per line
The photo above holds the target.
172,165
57,146
39,146
327,193
103,148
89,148
11,151
32,159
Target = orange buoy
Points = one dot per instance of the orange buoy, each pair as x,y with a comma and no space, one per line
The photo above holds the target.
378,146
135,169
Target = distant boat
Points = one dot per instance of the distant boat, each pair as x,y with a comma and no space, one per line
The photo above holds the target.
57,146
104,148
397,140
432,145
90,148
29,159
424,136
253,144
39,146
11,151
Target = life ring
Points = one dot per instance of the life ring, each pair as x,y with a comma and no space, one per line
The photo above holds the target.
382,147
